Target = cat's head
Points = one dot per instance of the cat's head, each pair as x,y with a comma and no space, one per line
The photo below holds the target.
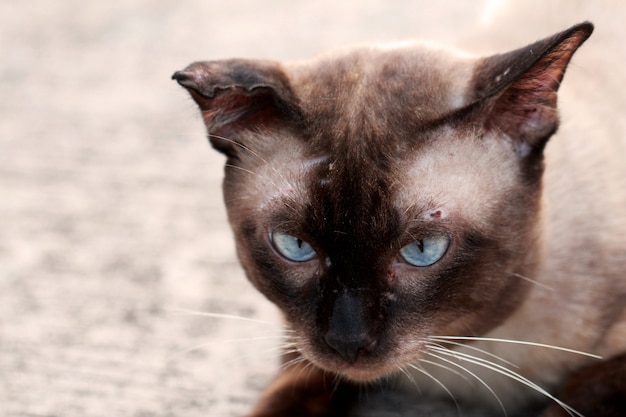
380,196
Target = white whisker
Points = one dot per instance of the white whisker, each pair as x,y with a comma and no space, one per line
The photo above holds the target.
520,342
410,378
532,281
240,145
441,384
251,152
293,362
447,368
337,380
309,368
227,165
203,345
467,346
479,379
240,168
507,373
225,316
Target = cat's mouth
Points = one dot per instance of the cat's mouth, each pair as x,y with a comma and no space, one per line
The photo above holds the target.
366,365
363,370
363,374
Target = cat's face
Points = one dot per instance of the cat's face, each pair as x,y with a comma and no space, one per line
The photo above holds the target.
380,197
384,253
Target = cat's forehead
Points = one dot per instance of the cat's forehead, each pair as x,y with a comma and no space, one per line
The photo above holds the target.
366,112
382,85
458,174
461,174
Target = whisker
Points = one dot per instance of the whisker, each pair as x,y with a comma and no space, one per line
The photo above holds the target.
479,379
507,373
254,173
235,199
272,354
520,342
285,350
240,145
288,347
410,378
225,316
337,379
293,362
240,168
224,341
251,152
441,384
465,345
409,208
272,182
447,368
308,368
532,281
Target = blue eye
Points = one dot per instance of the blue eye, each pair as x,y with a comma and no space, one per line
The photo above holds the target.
425,252
291,247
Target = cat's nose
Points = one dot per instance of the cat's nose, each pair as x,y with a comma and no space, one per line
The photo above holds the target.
350,348
348,330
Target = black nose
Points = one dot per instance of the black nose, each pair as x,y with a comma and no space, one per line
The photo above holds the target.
348,330
350,348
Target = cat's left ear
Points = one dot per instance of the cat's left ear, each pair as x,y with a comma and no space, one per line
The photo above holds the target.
239,95
519,89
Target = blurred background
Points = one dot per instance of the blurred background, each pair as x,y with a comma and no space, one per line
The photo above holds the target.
112,230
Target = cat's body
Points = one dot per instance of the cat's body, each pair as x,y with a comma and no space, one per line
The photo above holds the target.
392,201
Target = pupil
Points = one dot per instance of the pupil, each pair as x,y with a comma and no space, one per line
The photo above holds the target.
299,242
420,245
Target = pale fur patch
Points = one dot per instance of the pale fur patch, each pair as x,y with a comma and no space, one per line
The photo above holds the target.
462,176
281,177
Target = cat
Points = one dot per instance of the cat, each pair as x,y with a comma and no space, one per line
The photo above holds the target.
433,251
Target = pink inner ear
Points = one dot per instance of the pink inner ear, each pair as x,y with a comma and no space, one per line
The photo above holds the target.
236,109
239,95
527,109
541,82
224,108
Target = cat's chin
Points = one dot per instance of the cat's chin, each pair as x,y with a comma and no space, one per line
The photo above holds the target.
364,374
361,375
359,372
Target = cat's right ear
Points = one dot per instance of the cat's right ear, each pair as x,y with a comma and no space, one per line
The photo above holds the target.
519,88
239,95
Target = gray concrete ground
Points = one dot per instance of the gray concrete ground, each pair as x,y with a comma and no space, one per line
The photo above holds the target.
111,221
